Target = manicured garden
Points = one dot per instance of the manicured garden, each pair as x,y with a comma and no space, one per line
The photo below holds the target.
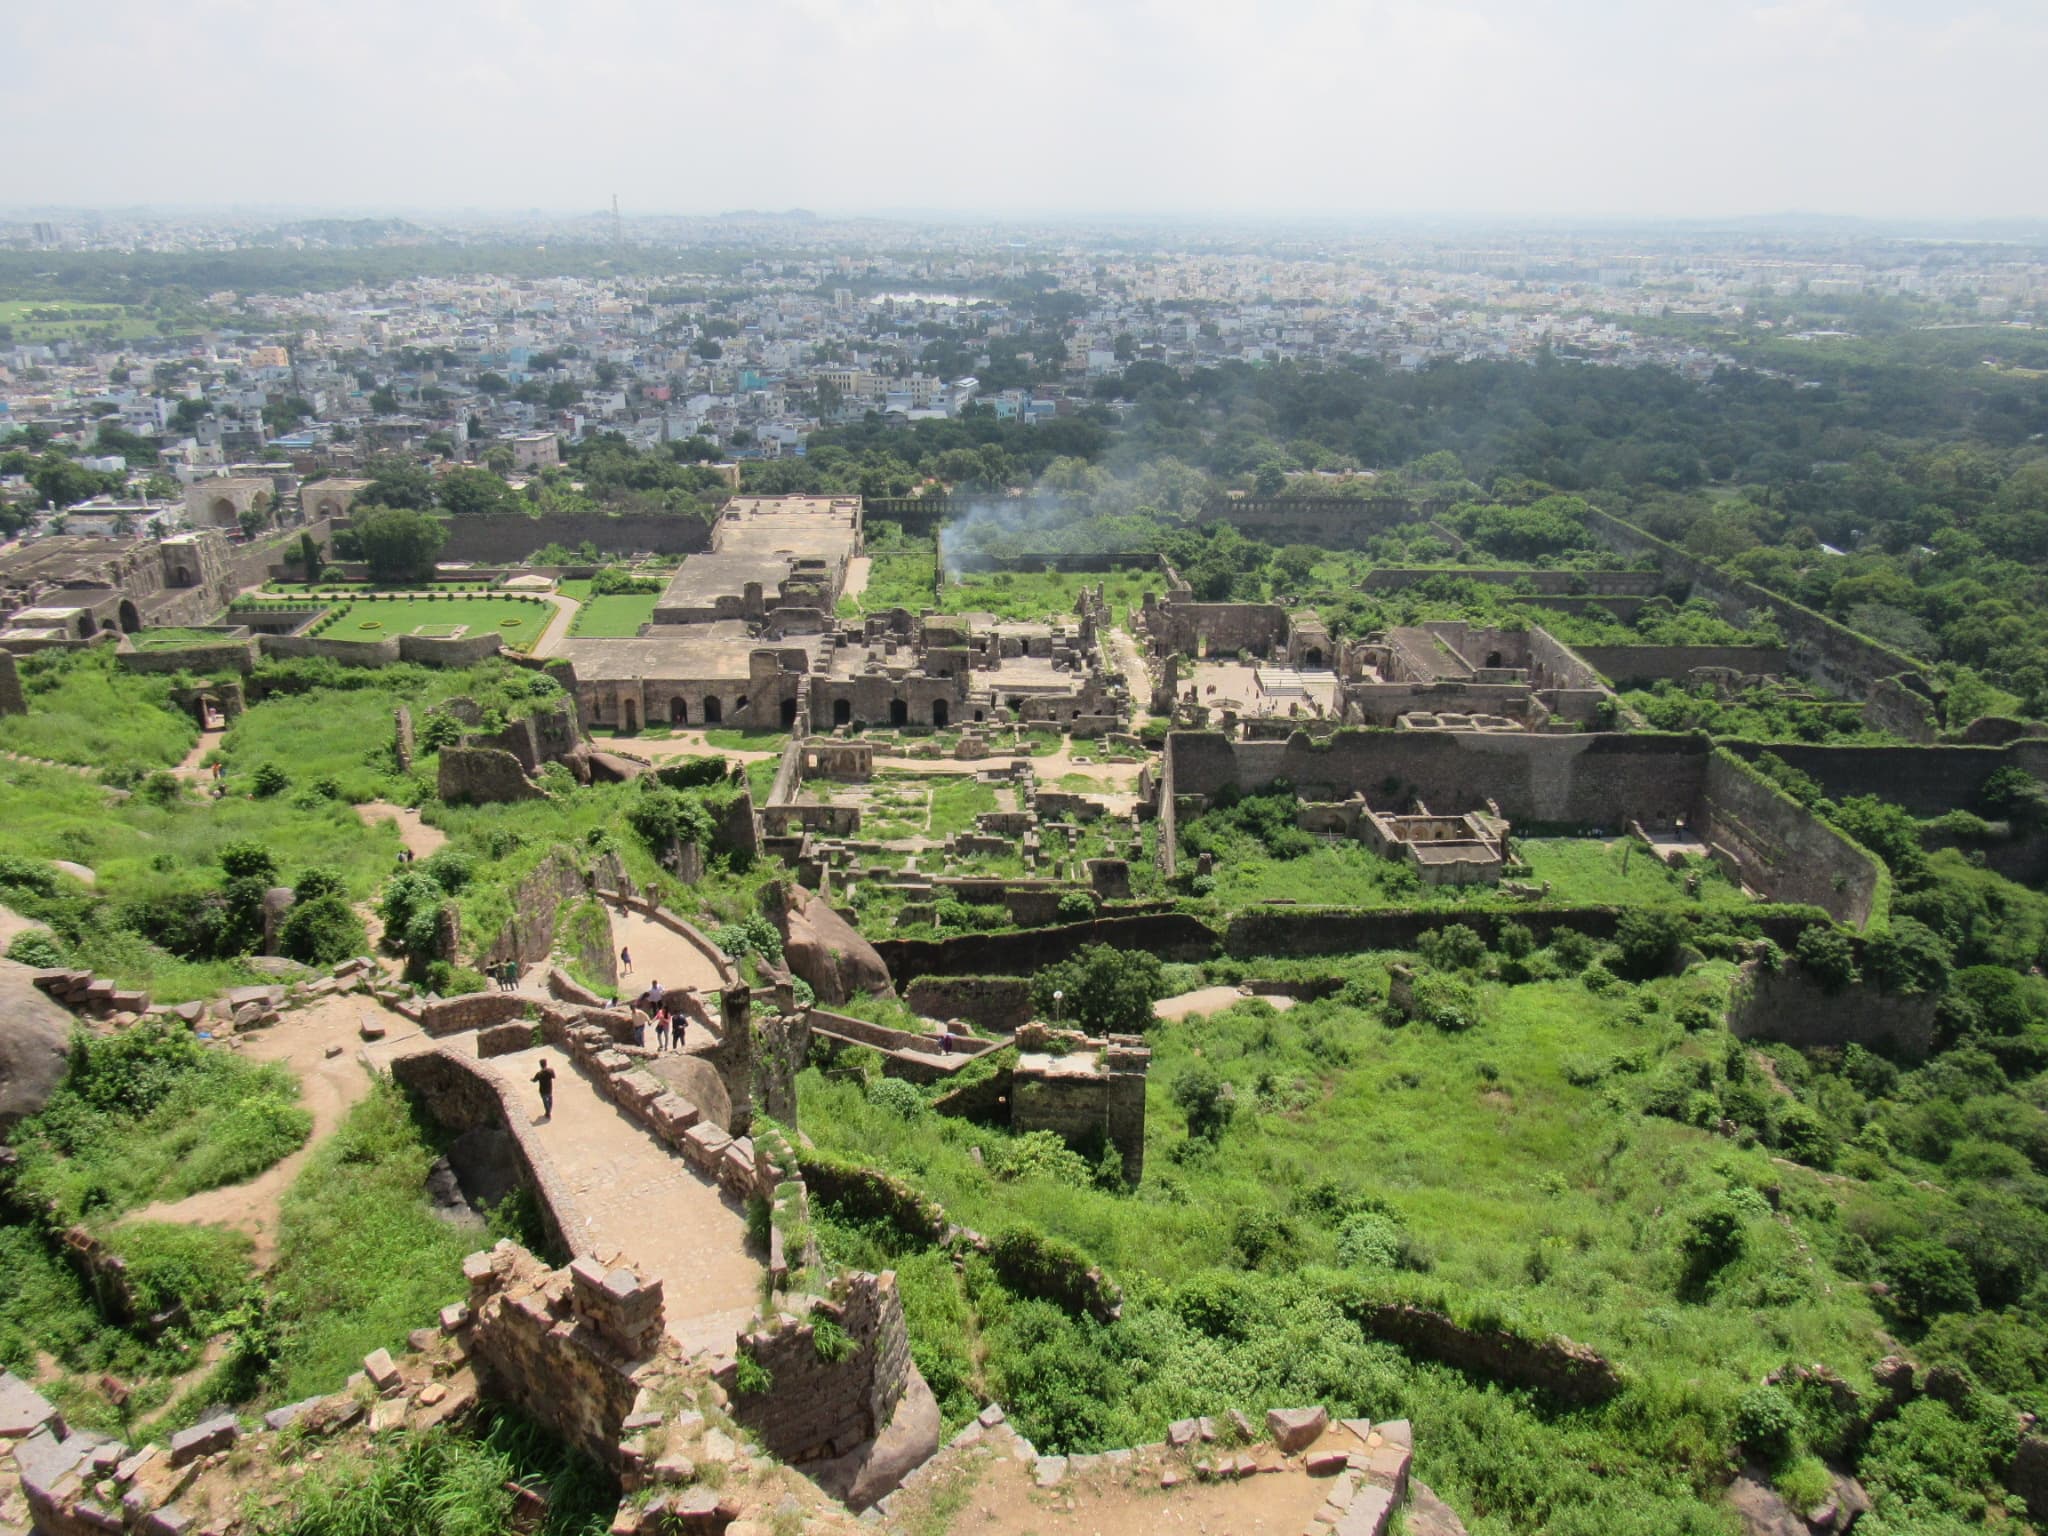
517,621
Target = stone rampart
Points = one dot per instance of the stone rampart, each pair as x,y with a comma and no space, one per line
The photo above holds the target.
828,1402
997,1003
1567,1371
1788,1006
1586,780
1927,781
462,1094
1592,585
529,936
1819,647
208,656
1301,931
510,538
1622,665
1169,935
473,1010
483,776
1771,843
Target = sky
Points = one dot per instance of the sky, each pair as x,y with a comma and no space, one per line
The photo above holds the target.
1632,108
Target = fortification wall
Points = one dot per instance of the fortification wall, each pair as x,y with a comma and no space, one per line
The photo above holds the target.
1169,935
1924,780
509,538
1787,1006
462,1094
212,656
1300,931
1819,647
1625,664
997,1003
1775,845
1573,780
817,1408
1215,629
1591,585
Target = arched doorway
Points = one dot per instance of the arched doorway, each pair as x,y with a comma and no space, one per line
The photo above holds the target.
1493,658
842,711
629,717
678,711
899,712
940,714
223,513
1314,658
714,709
788,713
131,621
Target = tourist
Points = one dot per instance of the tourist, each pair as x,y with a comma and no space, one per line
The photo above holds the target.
661,1031
625,961
546,1078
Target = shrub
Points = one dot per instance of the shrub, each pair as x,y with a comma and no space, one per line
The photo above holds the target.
1446,1002
1076,907
270,781
36,948
1828,957
750,1377
1105,990
1206,1099
1043,1154
1928,1278
1369,1240
829,1342
1767,1422
1646,943
1454,947
1712,1237
322,931
1258,1234
248,861
898,1097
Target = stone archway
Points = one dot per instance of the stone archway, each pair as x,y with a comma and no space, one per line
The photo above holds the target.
714,709
941,715
679,711
842,711
629,717
223,513
788,713
1314,658
899,712
128,618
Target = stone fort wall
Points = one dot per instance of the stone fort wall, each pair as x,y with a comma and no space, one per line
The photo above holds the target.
1924,780
510,537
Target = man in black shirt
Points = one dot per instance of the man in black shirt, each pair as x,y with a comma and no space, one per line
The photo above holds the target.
546,1078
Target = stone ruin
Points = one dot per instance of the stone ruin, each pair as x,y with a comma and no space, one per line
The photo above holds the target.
1089,1091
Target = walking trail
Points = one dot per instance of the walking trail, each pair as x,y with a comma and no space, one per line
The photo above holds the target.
424,840
660,954
558,627
329,1086
636,1196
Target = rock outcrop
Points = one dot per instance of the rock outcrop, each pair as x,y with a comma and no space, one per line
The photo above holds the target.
34,1036
826,950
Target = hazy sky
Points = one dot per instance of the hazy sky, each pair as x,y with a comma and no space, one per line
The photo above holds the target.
1916,107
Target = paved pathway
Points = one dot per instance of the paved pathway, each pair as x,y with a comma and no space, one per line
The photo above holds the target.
661,954
643,1200
557,630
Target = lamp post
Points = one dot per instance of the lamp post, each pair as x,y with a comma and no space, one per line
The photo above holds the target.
1057,999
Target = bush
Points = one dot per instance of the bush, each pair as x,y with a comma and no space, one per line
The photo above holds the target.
1369,1240
36,948
1446,1002
1105,990
270,781
1206,1099
1767,1423
1454,947
1258,1234
898,1097
322,931
1928,1278
1646,943
1044,1154
1712,1237
1828,958
1076,907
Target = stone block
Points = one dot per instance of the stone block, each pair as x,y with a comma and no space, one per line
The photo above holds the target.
1296,1429
1050,1471
382,1371
23,1410
1326,1463
1368,1514
1241,1425
216,1434
454,1317
704,1145
1182,1432
168,1521
387,1416
1398,1432
990,1416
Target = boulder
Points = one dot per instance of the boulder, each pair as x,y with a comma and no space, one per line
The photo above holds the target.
827,951
35,1034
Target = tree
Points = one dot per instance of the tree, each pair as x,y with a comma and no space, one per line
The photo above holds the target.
322,931
1828,958
398,544
1104,990
1206,1099
467,492
309,557
396,482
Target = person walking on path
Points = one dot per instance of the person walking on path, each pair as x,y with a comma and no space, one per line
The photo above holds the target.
625,961
661,1031
546,1078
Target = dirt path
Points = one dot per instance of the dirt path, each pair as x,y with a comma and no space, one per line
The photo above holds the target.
190,769
1204,1001
857,570
329,1086
1130,659
424,840
660,954
641,1199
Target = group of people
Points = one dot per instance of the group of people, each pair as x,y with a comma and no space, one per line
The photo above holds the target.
506,975
663,1010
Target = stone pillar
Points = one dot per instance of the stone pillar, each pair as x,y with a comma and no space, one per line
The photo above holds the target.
734,1057
786,1042
12,700
1126,1062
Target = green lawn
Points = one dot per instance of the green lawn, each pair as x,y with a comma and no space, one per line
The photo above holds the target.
619,616
905,581
69,319
517,622
174,639
82,709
